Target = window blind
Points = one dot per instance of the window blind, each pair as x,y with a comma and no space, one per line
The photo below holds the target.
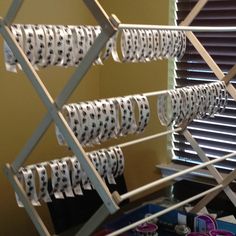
216,136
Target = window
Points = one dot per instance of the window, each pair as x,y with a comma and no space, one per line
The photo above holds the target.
216,136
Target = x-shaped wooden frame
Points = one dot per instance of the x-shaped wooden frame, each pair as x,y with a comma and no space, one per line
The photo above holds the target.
220,75
109,27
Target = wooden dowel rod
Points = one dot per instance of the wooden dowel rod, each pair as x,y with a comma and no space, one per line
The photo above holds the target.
158,214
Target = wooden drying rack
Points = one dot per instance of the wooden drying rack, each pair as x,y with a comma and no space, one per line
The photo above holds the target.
111,201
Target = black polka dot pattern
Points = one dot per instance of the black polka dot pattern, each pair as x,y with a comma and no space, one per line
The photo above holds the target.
95,160
85,181
89,39
68,59
108,49
56,180
183,45
59,50
103,163
65,178
112,165
181,106
150,45
29,42
143,45
156,44
88,123
164,43
126,46
50,44
30,187
43,183
76,176
126,115
106,115
120,161
40,45
134,55
176,40
143,112
71,115
80,44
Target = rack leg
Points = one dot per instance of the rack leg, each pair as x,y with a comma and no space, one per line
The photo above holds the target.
92,224
12,12
212,169
210,197
57,115
37,221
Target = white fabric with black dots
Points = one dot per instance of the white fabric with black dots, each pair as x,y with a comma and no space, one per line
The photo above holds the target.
143,112
59,50
29,42
56,180
68,56
40,46
76,176
182,105
65,178
30,187
43,193
112,165
120,161
103,163
50,44
126,116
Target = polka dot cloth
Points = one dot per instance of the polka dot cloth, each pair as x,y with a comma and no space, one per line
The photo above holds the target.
107,118
59,45
85,181
120,161
40,45
30,187
80,42
76,176
67,175
68,59
43,183
127,47
46,45
95,160
103,163
112,165
143,110
29,42
126,116
56,179
182,105
65,178
50,45
144,45
88,123
97,121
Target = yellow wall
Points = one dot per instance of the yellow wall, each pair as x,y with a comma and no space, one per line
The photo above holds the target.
123,79
22,110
